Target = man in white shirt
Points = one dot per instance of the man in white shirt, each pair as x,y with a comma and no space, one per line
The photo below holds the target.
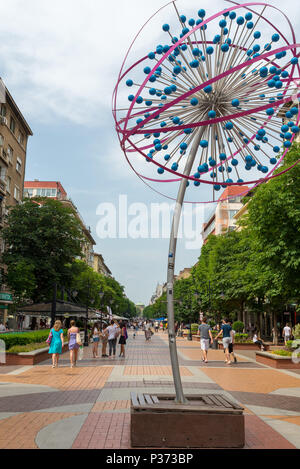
112,338
287,332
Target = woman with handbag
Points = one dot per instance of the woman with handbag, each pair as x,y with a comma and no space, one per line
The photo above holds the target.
123,338
74,343
57,342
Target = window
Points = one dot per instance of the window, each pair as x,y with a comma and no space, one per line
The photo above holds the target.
28,192
12,125
10,153
46,192
21,138
2,172
17,193
232,213
3,110
1,140
8,184
19,165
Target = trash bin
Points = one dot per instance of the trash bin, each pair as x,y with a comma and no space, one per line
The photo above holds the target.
215,344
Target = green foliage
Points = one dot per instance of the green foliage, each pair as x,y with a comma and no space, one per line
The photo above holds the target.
241,337
40,243
282,353
296,331
194,327
24,338
26,348
238,326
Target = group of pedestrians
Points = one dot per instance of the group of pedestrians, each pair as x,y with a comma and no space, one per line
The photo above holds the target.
206,338
109,336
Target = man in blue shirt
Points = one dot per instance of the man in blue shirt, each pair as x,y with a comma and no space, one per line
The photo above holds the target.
226,331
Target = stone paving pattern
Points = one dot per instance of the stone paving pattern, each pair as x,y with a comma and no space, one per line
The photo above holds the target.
89,406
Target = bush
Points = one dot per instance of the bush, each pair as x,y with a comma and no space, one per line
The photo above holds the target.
26,348
194,327
26,338
284,353
241,337
296,331
238,326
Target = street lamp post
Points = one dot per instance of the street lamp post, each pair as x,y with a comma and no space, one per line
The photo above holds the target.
86,338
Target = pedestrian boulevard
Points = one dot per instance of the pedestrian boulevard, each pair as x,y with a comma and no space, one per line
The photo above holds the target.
88,407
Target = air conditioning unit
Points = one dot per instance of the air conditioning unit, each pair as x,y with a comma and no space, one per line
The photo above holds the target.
3,120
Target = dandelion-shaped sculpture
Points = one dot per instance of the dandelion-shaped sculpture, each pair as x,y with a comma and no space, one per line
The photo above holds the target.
215,105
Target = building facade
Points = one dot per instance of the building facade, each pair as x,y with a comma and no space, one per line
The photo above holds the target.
222,218
100,266
14,134
55,190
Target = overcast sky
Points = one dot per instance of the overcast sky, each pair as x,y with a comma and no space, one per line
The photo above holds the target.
60,60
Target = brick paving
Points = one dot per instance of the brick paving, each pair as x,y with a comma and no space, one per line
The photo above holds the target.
91,402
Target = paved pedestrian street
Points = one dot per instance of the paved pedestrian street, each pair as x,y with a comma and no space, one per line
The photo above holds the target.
89,407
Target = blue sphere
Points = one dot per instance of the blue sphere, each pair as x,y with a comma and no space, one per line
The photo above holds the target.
152,79
250,25
194,63
229,125
192,22
275,37
174,166
204,143
207,89
196,52
270,111
139,100
177,69
225,47
288,135
166,27
271,83
160,170
217,187
240,20
222,23
234,162
248,16
232,15
201,13
183,146
152,91
131,97
222,156
294,60
235,102
264,169
217,39
158,147
295,129
151,55
194,101
209,50
176,120
273,160
129,82
294,111
212,114
167,157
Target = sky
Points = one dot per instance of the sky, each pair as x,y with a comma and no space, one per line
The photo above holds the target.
60,61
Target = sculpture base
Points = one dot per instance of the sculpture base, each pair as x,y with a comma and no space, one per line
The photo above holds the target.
206,421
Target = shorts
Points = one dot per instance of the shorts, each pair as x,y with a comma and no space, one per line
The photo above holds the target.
287,337
204,344
96,339
226,342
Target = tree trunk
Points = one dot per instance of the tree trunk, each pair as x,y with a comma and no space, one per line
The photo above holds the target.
275,329
261,323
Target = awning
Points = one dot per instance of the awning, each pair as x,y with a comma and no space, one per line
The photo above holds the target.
62,308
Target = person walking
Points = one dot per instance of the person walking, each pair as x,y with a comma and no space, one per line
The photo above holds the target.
73,345
286,333
205,336
57,343
112,338
230,348
96,340
225,330
123,338
104,338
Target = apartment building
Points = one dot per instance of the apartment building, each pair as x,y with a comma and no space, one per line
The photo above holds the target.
14,134
100,266
221,218
55,190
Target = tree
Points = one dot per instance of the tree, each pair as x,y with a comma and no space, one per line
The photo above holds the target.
41,242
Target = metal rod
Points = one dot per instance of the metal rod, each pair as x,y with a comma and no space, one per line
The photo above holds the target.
171,264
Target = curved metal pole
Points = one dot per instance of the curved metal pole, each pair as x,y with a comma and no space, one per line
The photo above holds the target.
171,264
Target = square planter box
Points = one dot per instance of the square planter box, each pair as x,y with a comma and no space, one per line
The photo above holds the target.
276,361
206,421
